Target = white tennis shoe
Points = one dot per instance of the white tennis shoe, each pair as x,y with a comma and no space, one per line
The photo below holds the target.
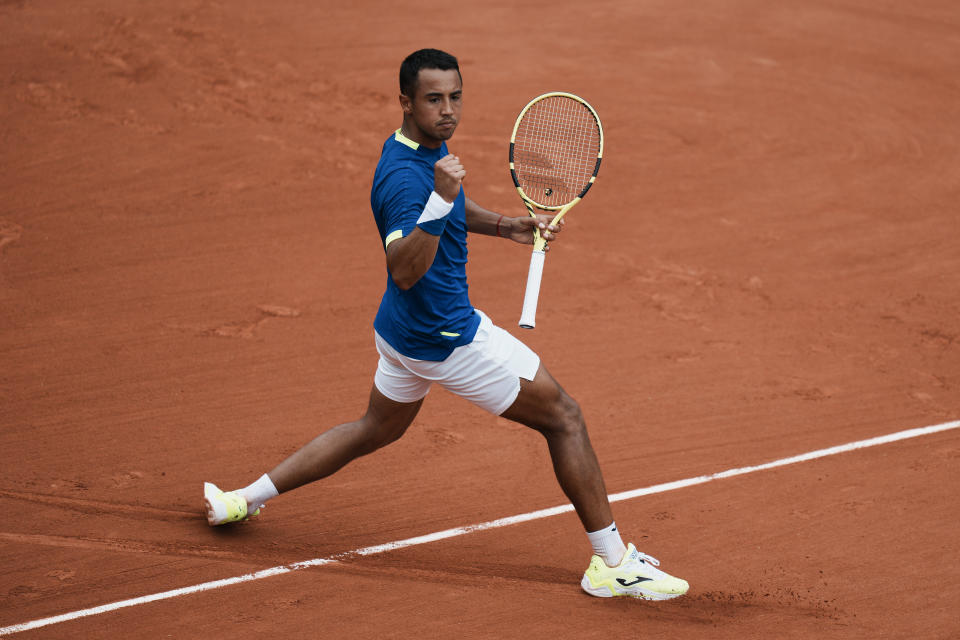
637,576
224,506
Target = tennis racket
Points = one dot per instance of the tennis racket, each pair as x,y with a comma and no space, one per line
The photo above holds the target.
555,153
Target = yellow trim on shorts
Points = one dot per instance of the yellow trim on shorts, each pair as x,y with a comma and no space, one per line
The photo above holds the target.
395,235
447,334
402,139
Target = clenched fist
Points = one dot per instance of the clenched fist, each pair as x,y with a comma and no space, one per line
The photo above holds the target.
448,174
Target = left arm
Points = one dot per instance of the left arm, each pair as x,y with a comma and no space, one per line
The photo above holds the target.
490,223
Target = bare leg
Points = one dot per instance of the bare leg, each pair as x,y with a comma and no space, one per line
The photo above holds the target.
543,405
384,422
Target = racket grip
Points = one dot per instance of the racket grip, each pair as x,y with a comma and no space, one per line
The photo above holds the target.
529,313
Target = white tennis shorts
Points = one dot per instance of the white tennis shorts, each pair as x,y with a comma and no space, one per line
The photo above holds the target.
486,372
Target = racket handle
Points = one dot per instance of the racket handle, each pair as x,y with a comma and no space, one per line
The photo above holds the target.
529,313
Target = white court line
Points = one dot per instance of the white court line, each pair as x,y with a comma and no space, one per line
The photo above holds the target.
459,531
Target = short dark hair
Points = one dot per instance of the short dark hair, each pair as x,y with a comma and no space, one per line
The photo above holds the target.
424,59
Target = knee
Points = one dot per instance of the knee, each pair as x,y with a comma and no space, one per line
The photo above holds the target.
379,433
572,415
565,418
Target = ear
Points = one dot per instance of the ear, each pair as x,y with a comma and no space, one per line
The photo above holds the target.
406,104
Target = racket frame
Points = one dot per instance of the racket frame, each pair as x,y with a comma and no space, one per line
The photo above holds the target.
535,272
539,243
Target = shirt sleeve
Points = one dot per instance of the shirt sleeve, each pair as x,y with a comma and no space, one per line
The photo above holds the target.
405,196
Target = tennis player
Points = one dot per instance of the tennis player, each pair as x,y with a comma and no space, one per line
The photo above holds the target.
427,332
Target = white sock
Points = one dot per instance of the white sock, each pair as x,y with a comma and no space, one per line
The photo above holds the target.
259,492
608,545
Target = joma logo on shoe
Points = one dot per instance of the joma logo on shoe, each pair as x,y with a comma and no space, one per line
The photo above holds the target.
624,583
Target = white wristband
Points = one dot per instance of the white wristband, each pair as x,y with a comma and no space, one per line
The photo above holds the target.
436,208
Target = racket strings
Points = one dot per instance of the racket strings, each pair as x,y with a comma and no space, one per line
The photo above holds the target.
556,149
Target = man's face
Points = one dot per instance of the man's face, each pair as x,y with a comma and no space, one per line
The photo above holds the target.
434,111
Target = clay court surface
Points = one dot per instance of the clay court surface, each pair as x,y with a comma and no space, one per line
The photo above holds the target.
768,265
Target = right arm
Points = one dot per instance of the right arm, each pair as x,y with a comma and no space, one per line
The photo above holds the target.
408,258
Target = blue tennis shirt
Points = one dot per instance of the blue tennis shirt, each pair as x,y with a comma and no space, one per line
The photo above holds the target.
434,316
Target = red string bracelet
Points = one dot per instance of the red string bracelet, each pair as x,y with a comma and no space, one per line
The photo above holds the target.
499,220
